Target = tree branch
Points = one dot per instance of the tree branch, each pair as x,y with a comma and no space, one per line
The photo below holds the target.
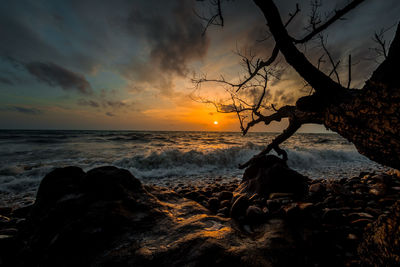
338,14
317,79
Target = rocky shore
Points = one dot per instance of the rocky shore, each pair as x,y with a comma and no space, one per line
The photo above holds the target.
273,217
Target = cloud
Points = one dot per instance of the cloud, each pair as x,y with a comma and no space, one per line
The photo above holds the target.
24,110
174,41
90,103
5,80
110,114
55,75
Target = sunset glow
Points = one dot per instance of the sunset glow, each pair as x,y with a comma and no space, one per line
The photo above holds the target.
216,122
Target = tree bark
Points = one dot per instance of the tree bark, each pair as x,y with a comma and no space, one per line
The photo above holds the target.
370,117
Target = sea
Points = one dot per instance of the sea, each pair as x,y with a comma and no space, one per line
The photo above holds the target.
161,157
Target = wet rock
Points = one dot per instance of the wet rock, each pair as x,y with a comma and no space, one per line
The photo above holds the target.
280,195
223,211
22,212
140,227
271,174
239,207
213,204
4,220
273,205
254,215
225,203
316,190
225,195
333,216
378,189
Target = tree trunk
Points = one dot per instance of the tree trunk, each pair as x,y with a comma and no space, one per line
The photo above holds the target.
370,117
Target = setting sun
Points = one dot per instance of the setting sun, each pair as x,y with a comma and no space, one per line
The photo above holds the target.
215,122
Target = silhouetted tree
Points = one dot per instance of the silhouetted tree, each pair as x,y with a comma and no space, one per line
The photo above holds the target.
368,117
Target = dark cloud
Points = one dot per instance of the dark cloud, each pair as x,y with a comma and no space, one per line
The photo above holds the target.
55,75
90,103
110,114
24,110
174,39
103,102
5,80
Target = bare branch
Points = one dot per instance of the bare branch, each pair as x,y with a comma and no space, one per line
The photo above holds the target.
317,79
349,75
215,19
334,65
318,29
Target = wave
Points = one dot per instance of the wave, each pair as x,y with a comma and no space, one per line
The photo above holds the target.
177,162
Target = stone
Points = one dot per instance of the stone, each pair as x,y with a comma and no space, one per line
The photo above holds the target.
280,195
224,211
239,207
213,204
269,174
152,226
316,190
333,216
225,195
225,203
254,215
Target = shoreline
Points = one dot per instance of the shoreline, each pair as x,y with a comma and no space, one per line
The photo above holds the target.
331,222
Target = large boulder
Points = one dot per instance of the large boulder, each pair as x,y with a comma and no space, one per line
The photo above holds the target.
381,241
106,217
269,174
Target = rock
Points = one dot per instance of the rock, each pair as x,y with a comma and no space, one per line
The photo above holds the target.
225,195
225,203
316,190
271,174
333,216
239,207
280,195
5,211
213,204
4,220
224,211
254,215
380,245
273,205
378,189
118,222
22,212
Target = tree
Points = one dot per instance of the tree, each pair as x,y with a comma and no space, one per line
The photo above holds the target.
368,117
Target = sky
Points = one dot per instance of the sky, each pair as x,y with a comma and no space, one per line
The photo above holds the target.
128,64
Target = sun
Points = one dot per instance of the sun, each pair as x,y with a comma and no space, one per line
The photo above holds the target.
216,122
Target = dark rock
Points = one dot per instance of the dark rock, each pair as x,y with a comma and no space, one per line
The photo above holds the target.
4,220
224,211
58,183
225,203
225,195
239,207
280,195
22,212
333,216
316,190
271,174
117,222
213,204
273,205
254,215
380,245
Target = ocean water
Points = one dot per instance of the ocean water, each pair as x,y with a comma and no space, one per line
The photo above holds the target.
162,157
